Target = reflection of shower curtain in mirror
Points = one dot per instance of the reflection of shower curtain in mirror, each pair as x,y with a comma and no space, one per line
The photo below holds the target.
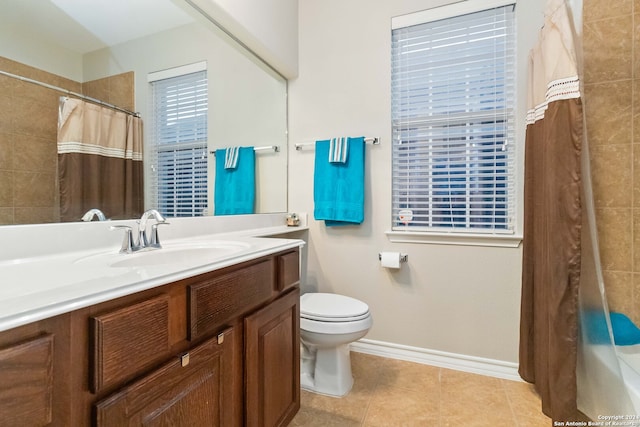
553,209
99,161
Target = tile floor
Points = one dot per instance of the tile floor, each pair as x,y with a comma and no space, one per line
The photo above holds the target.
390,393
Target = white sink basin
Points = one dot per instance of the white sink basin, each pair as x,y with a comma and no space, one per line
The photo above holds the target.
170,254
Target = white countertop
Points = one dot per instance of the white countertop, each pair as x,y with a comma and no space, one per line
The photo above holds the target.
39,287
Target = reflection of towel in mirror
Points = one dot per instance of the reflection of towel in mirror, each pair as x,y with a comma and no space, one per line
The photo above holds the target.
235,189
338,188
231,157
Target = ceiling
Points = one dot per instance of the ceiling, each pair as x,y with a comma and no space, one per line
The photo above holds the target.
86,25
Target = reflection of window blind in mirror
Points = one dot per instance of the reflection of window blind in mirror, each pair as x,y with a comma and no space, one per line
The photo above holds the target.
178,141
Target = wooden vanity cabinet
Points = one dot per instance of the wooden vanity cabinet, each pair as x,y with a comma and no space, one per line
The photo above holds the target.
127,341
272,362
34,375
26,382
217,349
191,389
271,332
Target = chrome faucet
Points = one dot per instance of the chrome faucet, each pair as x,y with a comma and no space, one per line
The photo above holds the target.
129,245
143,242
91,213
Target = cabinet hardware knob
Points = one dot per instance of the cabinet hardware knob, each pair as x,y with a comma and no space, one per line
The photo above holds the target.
184,360
221,338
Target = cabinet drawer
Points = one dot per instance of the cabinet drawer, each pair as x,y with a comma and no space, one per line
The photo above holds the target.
288,270
215,301
128,340
26,383
192,389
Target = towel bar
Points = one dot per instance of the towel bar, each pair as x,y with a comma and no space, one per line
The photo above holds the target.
275,148
372,140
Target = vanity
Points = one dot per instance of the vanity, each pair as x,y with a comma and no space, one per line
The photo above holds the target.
155,341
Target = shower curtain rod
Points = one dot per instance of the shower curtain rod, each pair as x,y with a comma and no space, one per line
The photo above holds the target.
69,92
372,140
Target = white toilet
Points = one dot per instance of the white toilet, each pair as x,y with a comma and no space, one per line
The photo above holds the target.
328,324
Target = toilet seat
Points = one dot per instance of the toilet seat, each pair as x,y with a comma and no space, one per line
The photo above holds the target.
334,319
335,327
325,307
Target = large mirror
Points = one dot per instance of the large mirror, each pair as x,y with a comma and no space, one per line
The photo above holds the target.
109,50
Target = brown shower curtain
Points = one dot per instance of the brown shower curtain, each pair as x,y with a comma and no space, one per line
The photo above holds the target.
99,161
552,219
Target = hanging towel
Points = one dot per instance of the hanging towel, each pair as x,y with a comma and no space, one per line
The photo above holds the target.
338,188
231,157
338,149
235,189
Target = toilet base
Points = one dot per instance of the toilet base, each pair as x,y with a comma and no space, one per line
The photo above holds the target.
328,371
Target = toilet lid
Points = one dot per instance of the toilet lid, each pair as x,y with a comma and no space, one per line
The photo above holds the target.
332,307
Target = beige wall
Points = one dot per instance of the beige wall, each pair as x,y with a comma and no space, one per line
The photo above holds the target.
28,129
612,96
459,299
268,27
20,44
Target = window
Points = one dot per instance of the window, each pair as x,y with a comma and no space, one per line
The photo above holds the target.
453,122
179,141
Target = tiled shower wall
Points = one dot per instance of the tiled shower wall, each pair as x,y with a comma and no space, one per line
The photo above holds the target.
28,127
612,100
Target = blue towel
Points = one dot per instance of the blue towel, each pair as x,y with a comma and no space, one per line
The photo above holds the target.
235,189
594,325
338,188
625,332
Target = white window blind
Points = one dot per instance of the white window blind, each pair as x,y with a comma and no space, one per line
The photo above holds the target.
179,139
453,89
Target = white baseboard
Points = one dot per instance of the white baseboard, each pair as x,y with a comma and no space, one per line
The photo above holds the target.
442,359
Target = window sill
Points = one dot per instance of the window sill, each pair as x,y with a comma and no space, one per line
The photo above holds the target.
462,239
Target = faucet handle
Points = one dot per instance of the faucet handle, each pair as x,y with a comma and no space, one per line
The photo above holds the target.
155,240
128,244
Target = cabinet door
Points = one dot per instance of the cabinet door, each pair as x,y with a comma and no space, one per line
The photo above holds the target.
26,383
272,362
192,390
